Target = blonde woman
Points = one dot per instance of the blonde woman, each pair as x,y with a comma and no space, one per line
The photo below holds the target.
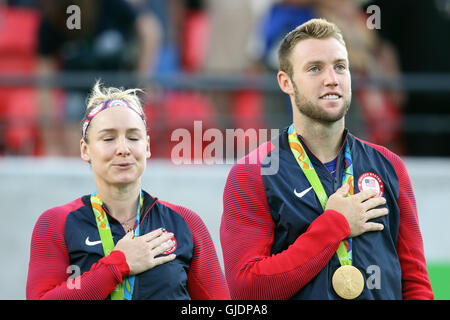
122,242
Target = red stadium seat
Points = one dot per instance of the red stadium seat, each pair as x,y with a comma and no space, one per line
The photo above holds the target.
22,134
194,40
383,119
183,108
18,108
177,110
248,109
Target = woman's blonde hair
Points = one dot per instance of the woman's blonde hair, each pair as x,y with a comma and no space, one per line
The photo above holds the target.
101,94
312,29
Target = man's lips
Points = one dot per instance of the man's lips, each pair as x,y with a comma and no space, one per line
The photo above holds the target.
331,96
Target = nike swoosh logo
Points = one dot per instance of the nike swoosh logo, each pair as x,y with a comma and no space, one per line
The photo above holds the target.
92,243
301,194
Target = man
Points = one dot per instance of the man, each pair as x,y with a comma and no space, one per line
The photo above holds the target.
338,219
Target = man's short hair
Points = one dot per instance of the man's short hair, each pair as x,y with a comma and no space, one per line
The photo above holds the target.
312,29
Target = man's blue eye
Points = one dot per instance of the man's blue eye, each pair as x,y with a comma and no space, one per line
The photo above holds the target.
314,69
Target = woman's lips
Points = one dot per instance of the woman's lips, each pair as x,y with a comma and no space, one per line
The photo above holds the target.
123,165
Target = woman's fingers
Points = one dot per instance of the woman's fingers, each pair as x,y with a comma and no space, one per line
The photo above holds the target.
162,247
152,234
373,226
164,259
160,240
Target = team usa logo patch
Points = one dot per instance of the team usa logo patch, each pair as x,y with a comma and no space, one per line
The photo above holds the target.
370,180
173,248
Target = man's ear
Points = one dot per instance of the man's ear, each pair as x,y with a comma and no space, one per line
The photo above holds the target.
84,151
285,83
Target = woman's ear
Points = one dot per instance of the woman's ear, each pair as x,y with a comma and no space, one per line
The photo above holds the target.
285,83
84,151
147,151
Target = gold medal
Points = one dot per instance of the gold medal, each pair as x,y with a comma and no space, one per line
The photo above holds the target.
348,282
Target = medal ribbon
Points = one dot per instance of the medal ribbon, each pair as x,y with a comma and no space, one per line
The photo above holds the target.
123,290
344,250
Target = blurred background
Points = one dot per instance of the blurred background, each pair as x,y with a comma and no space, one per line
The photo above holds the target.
212,61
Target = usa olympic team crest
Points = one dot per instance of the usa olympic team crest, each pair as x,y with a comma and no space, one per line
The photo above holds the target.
370,180
172,249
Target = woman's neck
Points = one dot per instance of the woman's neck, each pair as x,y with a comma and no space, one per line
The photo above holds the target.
122,201
324,140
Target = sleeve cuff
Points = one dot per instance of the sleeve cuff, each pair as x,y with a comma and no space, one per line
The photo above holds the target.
117,259
338,221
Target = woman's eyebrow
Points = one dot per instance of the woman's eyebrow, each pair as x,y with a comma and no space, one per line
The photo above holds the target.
107,130
133,129
113,129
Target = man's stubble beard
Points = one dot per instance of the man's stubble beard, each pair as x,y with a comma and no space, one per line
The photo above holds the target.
314,112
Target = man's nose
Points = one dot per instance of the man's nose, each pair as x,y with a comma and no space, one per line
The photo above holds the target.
330,77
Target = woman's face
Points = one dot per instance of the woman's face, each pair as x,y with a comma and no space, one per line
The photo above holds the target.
118,146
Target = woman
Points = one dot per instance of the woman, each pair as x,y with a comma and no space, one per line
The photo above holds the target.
120,242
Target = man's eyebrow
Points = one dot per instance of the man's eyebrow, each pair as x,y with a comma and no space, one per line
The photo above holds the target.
322,62
340,60
313,62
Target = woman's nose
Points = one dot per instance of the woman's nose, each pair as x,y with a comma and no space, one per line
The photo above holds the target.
122,147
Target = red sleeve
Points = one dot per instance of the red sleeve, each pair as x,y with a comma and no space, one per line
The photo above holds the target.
49,260
247,233
205,277
415,281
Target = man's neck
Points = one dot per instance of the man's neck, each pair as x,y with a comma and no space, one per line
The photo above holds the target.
324,140
122,201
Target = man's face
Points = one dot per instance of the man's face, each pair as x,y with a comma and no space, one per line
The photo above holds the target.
321,84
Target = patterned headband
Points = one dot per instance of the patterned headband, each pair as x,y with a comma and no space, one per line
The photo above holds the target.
108,104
